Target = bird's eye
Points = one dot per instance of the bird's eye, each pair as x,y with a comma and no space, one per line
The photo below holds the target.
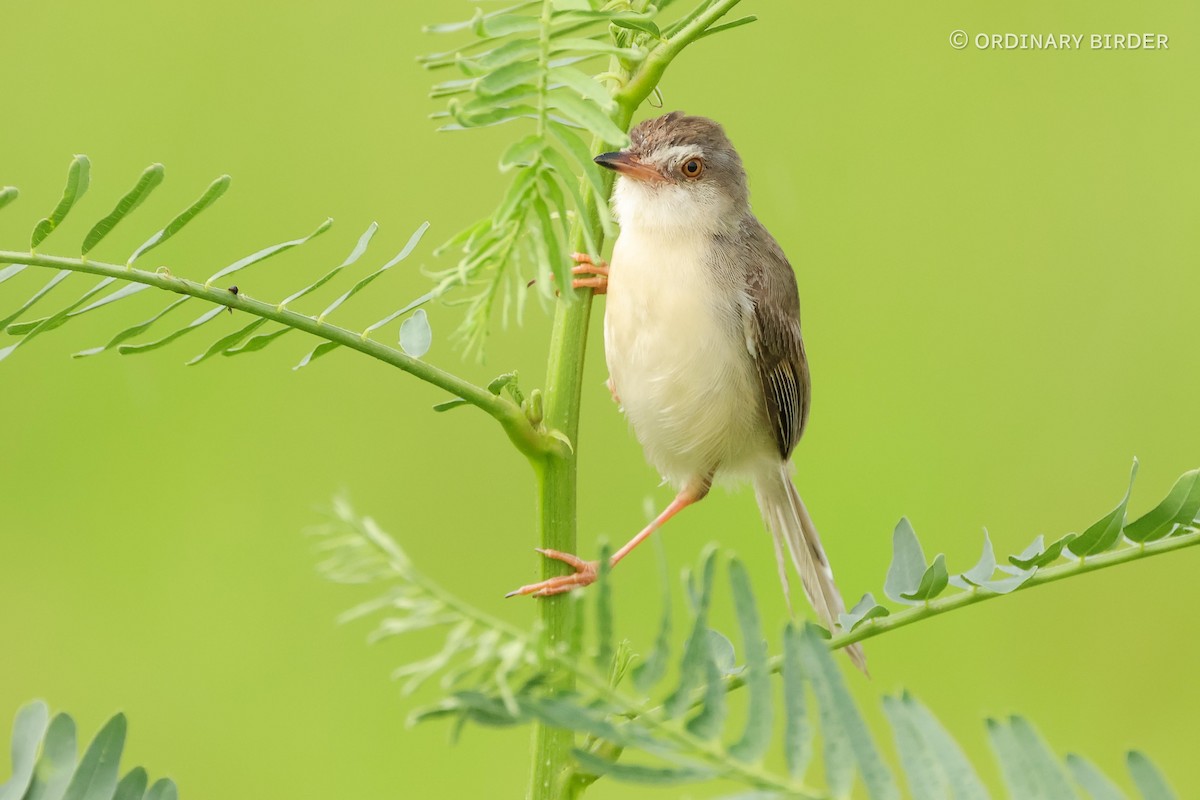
692,168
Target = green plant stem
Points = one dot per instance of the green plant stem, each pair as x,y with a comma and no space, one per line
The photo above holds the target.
527,439
557,473
943,605
651,70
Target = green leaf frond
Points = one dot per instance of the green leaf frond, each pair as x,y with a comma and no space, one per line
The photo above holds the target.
929,588
669,722
268,321
46,762
568,74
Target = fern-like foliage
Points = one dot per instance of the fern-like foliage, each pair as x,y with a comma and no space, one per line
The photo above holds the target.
46,763
127,280
557,69
662,718
929,588
269,321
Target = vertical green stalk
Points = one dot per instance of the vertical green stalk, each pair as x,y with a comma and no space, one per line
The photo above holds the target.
557,472
557,483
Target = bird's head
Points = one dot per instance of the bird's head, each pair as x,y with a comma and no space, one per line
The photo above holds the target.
679,172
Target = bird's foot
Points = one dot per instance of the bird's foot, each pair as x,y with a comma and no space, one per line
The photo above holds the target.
585,573
597,273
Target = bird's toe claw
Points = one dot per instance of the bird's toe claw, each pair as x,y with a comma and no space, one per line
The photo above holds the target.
585,573
596,273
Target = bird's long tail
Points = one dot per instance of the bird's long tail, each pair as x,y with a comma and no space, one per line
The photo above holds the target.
792,527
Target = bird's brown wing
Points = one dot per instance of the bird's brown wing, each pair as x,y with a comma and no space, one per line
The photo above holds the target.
778,348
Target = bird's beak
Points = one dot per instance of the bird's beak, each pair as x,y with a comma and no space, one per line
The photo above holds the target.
629,165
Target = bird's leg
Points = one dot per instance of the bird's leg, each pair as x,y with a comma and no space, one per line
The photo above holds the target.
586,571
597,272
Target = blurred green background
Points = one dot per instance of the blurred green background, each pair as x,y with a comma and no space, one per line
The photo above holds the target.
998,265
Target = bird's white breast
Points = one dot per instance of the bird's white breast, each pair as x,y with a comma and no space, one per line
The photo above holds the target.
677,353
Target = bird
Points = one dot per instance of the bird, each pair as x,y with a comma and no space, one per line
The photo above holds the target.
703,345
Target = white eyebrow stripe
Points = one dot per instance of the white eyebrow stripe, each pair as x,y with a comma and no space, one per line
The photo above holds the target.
681,151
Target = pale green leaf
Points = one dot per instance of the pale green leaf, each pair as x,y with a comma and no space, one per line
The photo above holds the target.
638,773
1146,777
452,27
737,23
724,656
1045,556
1105,532
604,611
596,46
96,776
57,763
1092,780
7,195
203,319
128,289
583,156
960,775
210,196
518,73
654,665
132,331
28,729
1179,507
985,567
556,262
53,321
908,563
504,25
846,735
258,342
797,731
491,111
933,581
863,611
1008,584
759,709
322,349
11,270
420,301
1017,773
588,115
1028,766
265,253
365,282
921,770
552,191
78,175
55,280
1047,773
587,86
637,23
559,165
513,205
150,178
507,53
707,722
360,247
228,341
132,786
415,334
522,153
163,789
692,667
